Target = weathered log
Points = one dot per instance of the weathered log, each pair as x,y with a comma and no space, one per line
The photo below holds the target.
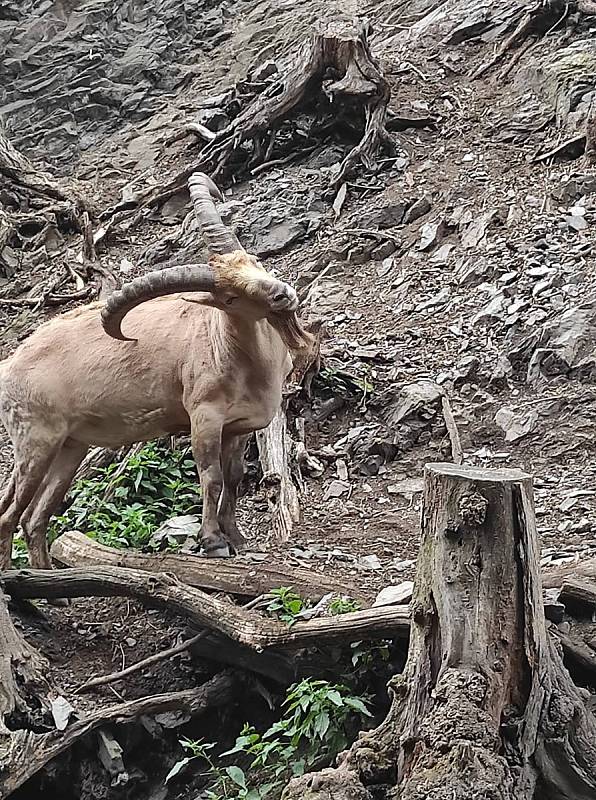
224,575
484,708
203,610
26,752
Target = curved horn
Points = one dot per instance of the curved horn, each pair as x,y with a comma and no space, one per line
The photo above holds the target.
219,239
193,277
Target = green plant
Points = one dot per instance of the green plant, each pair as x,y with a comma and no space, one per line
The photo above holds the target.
312,730
19,557
285,604
123,503
338,381
343,605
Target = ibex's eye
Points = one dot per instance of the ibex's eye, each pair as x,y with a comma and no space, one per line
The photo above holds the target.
231,300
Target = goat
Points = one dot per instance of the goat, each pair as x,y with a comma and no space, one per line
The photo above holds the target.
208,352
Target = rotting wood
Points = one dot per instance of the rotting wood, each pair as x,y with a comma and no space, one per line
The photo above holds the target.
23,686
231,576
203,610
484,708
26,752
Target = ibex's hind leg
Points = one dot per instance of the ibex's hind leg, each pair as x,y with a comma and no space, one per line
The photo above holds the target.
8,493
206,430
29,472
233,472
47,500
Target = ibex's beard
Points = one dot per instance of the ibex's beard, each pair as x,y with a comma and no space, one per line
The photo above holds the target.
294,336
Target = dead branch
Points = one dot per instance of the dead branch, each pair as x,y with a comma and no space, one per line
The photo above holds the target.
17,168
275,456
575,143
142,664
27,752
203,610
230,576
457,454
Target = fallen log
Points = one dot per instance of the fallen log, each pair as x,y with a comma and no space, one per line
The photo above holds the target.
204,610
230,575
484,708
26,752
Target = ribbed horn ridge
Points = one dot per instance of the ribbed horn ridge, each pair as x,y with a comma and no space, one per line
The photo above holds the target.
186,278
218,238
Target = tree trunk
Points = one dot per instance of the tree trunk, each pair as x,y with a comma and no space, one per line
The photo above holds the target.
485,708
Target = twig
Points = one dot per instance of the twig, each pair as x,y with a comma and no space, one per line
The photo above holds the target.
374,234
145,662
560,148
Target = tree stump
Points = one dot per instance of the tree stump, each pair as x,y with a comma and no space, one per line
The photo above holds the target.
485,708
336,67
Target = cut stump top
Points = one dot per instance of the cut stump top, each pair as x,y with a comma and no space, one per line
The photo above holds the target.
477,474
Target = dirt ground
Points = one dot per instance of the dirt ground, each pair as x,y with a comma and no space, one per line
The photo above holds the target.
503,264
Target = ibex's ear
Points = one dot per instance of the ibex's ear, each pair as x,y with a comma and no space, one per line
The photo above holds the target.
203,299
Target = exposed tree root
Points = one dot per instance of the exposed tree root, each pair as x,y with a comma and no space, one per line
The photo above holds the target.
336,66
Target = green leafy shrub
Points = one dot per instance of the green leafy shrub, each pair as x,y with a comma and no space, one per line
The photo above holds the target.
123,503
313,730
285,604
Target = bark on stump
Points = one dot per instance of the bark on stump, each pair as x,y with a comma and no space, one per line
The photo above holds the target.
485,708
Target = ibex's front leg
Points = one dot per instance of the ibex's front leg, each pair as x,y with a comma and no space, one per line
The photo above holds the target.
233,472
206,430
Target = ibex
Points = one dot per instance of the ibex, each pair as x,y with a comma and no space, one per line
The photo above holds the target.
207,350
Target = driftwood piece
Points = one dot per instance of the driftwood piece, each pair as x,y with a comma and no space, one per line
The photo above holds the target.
28,752
224,575
274,447
203,610
484,708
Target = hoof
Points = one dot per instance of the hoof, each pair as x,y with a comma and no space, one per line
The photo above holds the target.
222,551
